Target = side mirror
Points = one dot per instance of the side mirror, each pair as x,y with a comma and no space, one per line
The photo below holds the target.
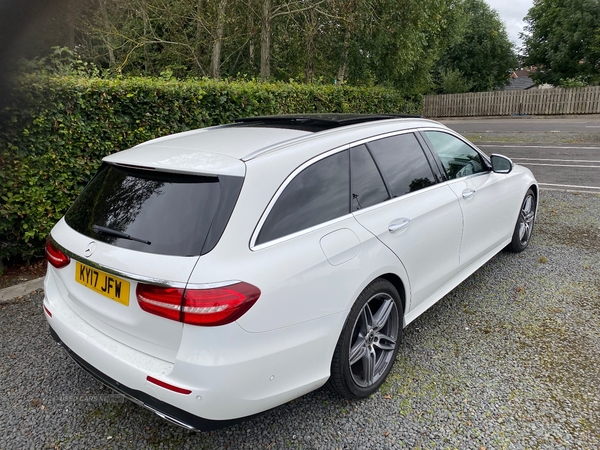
501,164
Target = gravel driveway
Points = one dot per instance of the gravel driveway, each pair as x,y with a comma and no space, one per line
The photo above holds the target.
509,359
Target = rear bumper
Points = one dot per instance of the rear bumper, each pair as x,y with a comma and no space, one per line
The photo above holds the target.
231,374
166,411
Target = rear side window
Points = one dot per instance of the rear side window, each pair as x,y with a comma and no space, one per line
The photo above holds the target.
317,194
164,213
368,188
402,163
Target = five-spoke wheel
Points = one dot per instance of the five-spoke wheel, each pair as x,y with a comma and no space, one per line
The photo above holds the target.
524,226
369,342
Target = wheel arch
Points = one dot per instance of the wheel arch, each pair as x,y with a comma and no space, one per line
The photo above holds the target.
535,188
399,285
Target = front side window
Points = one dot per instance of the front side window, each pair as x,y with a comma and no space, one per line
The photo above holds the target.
317,194
402,162
458,158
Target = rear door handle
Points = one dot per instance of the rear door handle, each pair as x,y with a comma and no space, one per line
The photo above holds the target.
468,193
398,224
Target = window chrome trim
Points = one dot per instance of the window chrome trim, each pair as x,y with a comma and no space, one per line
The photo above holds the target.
300,232
473,175
140,278
288,180
382,136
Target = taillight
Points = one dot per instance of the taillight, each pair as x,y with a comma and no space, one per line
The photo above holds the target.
218,306
55,257
164,302
207,307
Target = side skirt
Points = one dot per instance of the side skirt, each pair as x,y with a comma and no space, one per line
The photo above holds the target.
459,278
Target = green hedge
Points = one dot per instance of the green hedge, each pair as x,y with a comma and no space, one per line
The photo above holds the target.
56,130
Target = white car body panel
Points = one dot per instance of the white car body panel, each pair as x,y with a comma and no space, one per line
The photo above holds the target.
429,245
486,213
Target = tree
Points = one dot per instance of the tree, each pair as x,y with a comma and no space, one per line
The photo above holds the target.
386,42
483,55
562,39
359,42
271,9
454,82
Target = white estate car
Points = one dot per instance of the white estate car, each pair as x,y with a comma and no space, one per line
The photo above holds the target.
214,274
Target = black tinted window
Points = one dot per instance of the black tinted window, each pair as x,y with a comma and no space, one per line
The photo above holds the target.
317,194
367,186
173,212
458,158
402,163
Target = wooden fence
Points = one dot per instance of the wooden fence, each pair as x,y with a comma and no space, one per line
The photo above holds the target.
584,100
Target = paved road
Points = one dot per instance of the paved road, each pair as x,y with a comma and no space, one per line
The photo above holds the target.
585,124
574,167
556,166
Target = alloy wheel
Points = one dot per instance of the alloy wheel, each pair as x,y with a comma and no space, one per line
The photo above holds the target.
526,217
374,339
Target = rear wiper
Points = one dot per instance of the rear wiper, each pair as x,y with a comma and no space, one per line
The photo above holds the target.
119,234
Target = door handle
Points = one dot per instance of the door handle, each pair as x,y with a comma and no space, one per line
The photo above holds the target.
468,193
398,224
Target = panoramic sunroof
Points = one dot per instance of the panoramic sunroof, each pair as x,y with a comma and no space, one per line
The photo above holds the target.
315,122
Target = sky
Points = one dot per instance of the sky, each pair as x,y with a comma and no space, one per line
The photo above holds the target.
512,13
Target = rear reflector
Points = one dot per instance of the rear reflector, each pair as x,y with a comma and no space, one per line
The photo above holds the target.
168,386
47,311
205,307
55,257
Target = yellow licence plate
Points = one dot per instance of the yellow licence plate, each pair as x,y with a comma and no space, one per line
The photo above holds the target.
103,283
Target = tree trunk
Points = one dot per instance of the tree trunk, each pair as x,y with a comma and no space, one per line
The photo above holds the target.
251,49
311,47
215,60
265,41
108,31
72,10
198,50
341,75
147,59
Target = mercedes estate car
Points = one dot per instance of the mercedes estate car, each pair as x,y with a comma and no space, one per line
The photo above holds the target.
214,274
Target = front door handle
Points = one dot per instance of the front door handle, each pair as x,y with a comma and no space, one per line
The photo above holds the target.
468,193
398,224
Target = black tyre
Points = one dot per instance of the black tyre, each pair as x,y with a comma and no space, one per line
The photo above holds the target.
367,347
524,225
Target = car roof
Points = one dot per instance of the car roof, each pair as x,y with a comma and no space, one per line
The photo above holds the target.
223,149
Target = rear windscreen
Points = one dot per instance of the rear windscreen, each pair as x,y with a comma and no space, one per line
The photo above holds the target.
154,212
